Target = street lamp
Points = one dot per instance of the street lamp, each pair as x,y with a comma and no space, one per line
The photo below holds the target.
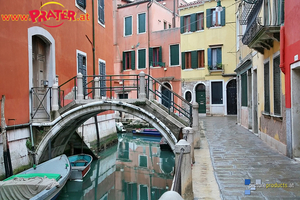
219,8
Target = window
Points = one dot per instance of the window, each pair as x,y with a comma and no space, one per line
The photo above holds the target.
266,88
276,85
101,11
169,25
194,59
142,23
143,192
143,161
123,96
165,25
187,23
188,96
81,4
217,92
128,26
200,21
215,18
81,68
244,89
174,54
155,57
102,70
214,58
141,58
128,60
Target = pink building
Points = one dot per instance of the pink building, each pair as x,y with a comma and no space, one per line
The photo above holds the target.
147,38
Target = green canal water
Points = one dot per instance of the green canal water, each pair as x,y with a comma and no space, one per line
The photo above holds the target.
134,169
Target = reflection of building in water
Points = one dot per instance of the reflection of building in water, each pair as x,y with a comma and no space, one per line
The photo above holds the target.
142,170
138,170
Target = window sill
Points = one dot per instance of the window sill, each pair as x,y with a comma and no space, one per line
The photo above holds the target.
103,25
127,35
187,33
215,27
79,7
141,33
271,116
199,31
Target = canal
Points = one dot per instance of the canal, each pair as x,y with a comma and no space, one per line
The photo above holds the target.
134,169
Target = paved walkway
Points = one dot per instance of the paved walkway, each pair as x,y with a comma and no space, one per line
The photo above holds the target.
237,154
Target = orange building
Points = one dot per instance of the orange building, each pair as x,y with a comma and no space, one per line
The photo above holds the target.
43,43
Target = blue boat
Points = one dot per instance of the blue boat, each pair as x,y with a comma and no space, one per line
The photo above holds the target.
147,131
80,165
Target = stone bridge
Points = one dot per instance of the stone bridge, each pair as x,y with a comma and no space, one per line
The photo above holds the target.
70,117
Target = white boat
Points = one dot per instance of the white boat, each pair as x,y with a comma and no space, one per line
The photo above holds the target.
80,165
44,181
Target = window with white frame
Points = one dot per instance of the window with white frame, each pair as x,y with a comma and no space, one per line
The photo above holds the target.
128,26
101,15
215,18
174,55
142,23
102,73
141,58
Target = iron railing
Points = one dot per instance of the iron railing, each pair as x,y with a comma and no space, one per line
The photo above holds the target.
68,86
174,102
40,102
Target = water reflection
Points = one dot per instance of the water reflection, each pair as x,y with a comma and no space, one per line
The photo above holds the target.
135,169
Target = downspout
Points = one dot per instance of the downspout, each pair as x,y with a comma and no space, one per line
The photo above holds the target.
174,14
282,49
93,25
148,27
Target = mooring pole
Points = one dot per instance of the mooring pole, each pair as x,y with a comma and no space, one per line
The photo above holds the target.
6,156
97,132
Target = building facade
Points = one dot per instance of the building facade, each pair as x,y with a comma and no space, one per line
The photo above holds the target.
208,56
43,45
261,84
147,38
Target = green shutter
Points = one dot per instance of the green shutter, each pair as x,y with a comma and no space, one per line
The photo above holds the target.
143,192
132,59
244,89
142,23
223,17
174,54
142,59
181,24
194,22
182,60
219,55
128,26
276,85
267,87
123,62
194,59
209,61
150,56
208,18
160,55
143,161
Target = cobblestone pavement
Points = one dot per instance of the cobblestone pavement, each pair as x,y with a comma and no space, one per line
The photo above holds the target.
237,154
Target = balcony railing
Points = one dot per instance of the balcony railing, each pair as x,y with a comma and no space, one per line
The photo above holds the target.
261,32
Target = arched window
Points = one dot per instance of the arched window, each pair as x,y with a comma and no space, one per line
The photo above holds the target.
188,96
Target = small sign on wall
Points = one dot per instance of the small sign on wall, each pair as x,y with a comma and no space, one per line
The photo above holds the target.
296,57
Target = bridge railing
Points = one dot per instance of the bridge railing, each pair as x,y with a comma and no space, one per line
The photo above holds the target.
174,102
67,92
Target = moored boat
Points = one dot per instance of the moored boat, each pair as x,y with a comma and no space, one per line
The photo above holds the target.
43,181
147,131
80,165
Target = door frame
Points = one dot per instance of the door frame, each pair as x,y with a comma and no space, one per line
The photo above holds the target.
226,105
50,60
195,93
160,89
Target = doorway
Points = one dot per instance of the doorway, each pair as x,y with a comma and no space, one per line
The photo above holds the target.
39,78
201,98
166,95
231,97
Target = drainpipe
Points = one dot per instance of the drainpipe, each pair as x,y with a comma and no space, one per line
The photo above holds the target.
148,27
93,25
282,49
174,14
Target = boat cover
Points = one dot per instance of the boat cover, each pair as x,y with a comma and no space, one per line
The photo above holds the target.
25,188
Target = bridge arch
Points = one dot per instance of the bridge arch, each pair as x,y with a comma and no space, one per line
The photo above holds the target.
72,119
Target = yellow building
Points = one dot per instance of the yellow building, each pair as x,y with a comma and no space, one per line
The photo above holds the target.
208,55
260,82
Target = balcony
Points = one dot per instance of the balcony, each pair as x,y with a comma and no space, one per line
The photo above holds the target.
218,69
262,31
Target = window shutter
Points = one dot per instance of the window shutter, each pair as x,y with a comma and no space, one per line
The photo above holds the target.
182,60
174,54
223,17
194,59
128,25
276,85
102,79
150,56
244,89
142,23
267,88
209,61
208,18
80,63
160,55
132,59
181,24
219,55
194,22
124,61
142,59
